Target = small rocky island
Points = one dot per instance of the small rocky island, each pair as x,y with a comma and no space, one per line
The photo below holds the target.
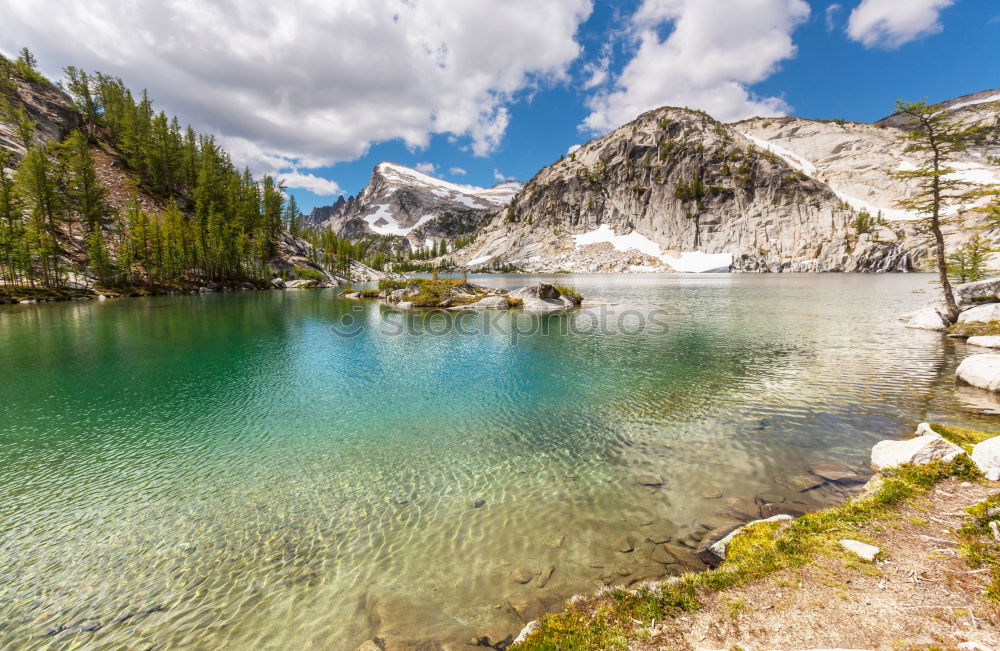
451,294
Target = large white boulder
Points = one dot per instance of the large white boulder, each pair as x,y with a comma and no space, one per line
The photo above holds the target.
919,450
981,313
969,292
928,318
981,370
984,342
986,454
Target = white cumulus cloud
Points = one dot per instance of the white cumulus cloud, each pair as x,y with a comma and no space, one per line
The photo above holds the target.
426,168
457,171
890,23
307,83
315,184
712,51
572,148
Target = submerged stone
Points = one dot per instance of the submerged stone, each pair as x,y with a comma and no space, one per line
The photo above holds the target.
799,482
625,545
546,574
522,575
836,472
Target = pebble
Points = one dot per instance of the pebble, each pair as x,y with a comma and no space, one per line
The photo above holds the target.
864,550
478,503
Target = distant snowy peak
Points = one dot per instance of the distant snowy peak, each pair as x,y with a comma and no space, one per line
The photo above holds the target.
497,196
402,201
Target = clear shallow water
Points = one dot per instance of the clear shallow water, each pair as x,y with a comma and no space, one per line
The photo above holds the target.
234,464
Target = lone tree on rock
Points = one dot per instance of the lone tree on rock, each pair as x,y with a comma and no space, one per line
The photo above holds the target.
932,136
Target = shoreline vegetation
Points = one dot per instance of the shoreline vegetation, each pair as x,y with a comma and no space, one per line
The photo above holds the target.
838,540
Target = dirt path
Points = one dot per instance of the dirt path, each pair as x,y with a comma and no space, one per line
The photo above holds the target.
922,596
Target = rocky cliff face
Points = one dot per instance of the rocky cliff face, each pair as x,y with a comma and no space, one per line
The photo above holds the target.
47,106
402,202
677,190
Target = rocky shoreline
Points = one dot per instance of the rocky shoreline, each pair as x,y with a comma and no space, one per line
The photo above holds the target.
930,447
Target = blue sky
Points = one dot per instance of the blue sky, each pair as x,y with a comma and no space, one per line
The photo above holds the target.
318,93
831,76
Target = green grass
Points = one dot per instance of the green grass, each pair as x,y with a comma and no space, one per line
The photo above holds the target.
606,621
978,547
570,293
965,438
975,329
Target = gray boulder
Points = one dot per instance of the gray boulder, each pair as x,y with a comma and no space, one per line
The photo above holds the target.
967,293
542,297
277,283
984,342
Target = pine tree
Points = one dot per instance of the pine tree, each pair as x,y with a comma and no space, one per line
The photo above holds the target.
292,216
933,136
967,263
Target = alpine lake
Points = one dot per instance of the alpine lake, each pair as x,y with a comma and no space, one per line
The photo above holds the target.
287,469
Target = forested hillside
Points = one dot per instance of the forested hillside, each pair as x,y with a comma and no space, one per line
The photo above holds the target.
101,190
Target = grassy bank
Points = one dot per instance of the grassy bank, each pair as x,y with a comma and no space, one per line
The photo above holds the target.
614,618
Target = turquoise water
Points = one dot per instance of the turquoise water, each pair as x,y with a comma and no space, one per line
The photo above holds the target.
227,469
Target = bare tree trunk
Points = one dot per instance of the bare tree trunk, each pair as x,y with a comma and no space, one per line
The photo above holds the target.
942,260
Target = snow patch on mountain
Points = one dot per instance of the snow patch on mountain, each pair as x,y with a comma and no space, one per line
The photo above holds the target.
790,157
689,261
383,223
983,100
